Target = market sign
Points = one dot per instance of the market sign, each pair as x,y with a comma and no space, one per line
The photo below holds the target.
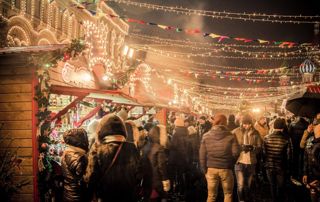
78,76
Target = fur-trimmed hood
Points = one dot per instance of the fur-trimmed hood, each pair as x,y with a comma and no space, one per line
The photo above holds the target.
158,134
110,125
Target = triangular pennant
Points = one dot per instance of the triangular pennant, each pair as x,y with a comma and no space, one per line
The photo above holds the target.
262,41
214,35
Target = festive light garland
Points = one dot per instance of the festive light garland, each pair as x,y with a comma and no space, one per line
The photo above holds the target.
202,63
213,44
254,17
220,38
232,50
212,55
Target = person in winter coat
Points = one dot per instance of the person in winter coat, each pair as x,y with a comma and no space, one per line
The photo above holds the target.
153,153
74,163
114,169
231,122
311,170
132,132
204,126
262,127
219,151
245,168
178,160
295,131
277,150
194,143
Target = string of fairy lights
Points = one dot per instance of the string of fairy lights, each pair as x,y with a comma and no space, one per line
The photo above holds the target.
254,17
213,55
197,44
212,95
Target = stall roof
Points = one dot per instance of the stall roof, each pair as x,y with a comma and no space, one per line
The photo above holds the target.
32,49
112,95
115,98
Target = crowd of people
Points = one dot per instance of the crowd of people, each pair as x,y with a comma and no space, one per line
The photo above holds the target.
191,159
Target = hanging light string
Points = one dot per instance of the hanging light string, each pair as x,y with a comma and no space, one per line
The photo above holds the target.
234,89
214,54
187,60
219,38
175,54
197,44
252,75
238,99
253,17
233,50
241,70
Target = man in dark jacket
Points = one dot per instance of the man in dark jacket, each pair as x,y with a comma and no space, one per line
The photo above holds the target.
74,163
204,126
277,150
311,171
219,151
178,158
232,122
295,131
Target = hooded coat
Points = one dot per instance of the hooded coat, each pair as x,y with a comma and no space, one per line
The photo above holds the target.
179,148
132,132
312,161
219,149
154,156
119,182
74,163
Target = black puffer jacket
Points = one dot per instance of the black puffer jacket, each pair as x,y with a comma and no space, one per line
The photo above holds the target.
312,161
277,150
219,149
74,163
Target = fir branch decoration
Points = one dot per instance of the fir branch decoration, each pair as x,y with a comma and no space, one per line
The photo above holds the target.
42,96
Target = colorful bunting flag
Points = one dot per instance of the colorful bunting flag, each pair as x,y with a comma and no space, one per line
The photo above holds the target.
188,31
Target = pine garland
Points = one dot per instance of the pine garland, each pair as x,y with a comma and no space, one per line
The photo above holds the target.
42,95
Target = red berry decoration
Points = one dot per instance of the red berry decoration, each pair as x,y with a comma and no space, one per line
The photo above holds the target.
66,57
44,146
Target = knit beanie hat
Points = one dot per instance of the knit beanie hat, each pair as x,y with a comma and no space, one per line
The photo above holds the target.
279,123
246,119
219,119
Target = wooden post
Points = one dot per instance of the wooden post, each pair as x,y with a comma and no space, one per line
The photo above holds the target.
35,152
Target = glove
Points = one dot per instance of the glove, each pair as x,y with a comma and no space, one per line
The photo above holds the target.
166,185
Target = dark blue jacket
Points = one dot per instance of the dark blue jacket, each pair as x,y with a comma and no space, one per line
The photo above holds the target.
219,149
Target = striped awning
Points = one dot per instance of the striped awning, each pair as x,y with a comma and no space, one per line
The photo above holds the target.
313,89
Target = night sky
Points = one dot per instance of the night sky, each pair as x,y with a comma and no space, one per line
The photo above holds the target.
300,33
